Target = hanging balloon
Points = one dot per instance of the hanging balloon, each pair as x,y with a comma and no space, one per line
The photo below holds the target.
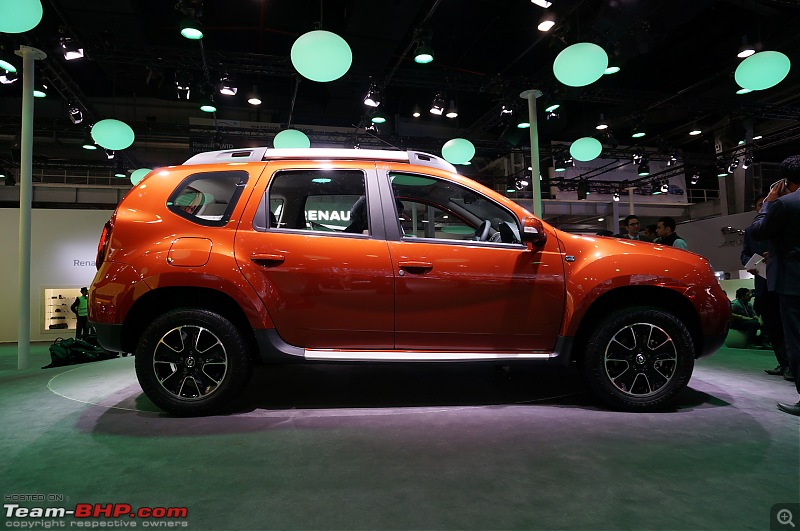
458,151
580,64
585,149
291,138
321,56
112,134
138,175
762,70
20,16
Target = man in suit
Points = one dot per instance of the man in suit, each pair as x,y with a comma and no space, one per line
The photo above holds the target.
767,303
779,222
631,229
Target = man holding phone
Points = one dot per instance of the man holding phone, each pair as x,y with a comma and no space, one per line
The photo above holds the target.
779,222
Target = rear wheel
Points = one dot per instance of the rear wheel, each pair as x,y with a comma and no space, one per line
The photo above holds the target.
638,359
192,362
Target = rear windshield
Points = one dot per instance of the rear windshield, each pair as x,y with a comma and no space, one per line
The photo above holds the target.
208,198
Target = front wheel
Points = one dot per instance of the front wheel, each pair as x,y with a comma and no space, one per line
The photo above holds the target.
638,359
192,362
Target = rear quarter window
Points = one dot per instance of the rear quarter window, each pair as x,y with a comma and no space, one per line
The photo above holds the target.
208,198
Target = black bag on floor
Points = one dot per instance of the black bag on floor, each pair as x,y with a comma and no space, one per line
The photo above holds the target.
70,351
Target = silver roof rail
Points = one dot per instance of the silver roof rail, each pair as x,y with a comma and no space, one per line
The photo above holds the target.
260,154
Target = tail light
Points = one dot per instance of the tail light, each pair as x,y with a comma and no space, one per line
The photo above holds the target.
105,238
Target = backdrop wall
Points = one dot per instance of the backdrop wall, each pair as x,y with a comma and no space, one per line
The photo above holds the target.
63,250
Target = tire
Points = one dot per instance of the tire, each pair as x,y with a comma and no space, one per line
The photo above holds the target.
638,359
192,362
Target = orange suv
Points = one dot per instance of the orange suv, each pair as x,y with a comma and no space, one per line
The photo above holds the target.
263,255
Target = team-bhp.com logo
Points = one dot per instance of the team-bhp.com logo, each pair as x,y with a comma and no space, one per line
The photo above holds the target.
88,515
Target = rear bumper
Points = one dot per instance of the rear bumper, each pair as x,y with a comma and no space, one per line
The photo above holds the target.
109,336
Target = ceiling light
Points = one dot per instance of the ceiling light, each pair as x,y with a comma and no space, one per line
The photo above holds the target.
373,97
748,161
542,3
672,160
733,165
452,112
552,107
110,154
88,143
71,49
75,114
378,118
611,70
437,107
721,170
746,50
207,105
664,187
183,84
602,124
638,131
695,132
615,196
757,137
253,98
228,85
8,67
644,169
547,22
191,29
744,91
524,124
40,91
695,178
637,157
416,113
424,53
7,77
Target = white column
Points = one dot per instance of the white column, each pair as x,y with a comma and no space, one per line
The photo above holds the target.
536,184
29,55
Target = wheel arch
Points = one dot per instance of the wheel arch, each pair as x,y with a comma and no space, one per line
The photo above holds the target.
159,301
650,296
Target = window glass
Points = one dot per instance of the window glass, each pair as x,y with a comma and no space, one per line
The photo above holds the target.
319,200
208,198
439,209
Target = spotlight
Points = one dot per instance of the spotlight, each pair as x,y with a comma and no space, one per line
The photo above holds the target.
40,90
746,50
424,53
373,97
637,157
88,143
75,114
7,77
183,84
110,154
378,117
207,105
552,107
672,160
228,85
733,165
721,170
547,22
664,187
695,131
602,124
521,184
371,128
695,178
644,168
611,70
437,107
615,197
638,131
452,112
191,29
748,161
506,110
71,49
542,3
416,112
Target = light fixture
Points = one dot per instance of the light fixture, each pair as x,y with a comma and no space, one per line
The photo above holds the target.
378,117
110,154
602,124
71,49
672,160
88,143
695,131
253,98
424,53
373,97
638,131
207,104
321,56
747,162
644,168
552,107
75,114
183,85
191,29
40,90
746,50
7,77
664,187
637,157
695,177
542,3
744,91
615,196
452,112
228,85
416,112
611,70
733,165
506,110
721,170
437,107
547,22
757,137
523,124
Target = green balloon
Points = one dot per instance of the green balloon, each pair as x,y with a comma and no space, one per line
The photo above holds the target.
112,134
458,151
19,16
762,70
321,56
585,149
138,175
291,138
580,64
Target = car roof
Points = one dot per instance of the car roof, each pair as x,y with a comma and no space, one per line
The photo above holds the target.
259,154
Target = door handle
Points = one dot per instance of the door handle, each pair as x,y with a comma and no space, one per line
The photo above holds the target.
413,266
268,259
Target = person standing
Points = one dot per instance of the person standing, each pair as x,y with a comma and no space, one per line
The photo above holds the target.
665,229
631,229
767,303
779,222
81,310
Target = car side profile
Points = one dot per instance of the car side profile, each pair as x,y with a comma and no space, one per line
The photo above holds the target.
262,255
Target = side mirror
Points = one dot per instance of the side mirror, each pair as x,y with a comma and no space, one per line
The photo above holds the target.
533,232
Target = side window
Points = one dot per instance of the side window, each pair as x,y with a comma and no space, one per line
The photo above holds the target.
439,209
319,201
208,198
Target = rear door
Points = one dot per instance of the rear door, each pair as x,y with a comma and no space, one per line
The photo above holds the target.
317,256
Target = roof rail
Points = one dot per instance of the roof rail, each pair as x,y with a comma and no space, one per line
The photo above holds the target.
260,154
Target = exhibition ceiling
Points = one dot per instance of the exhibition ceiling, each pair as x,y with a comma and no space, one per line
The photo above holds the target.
676,59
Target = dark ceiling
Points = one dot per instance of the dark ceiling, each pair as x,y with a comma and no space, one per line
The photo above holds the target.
677,61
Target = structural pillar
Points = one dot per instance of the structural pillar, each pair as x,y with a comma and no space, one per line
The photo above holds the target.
29,55
536,183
